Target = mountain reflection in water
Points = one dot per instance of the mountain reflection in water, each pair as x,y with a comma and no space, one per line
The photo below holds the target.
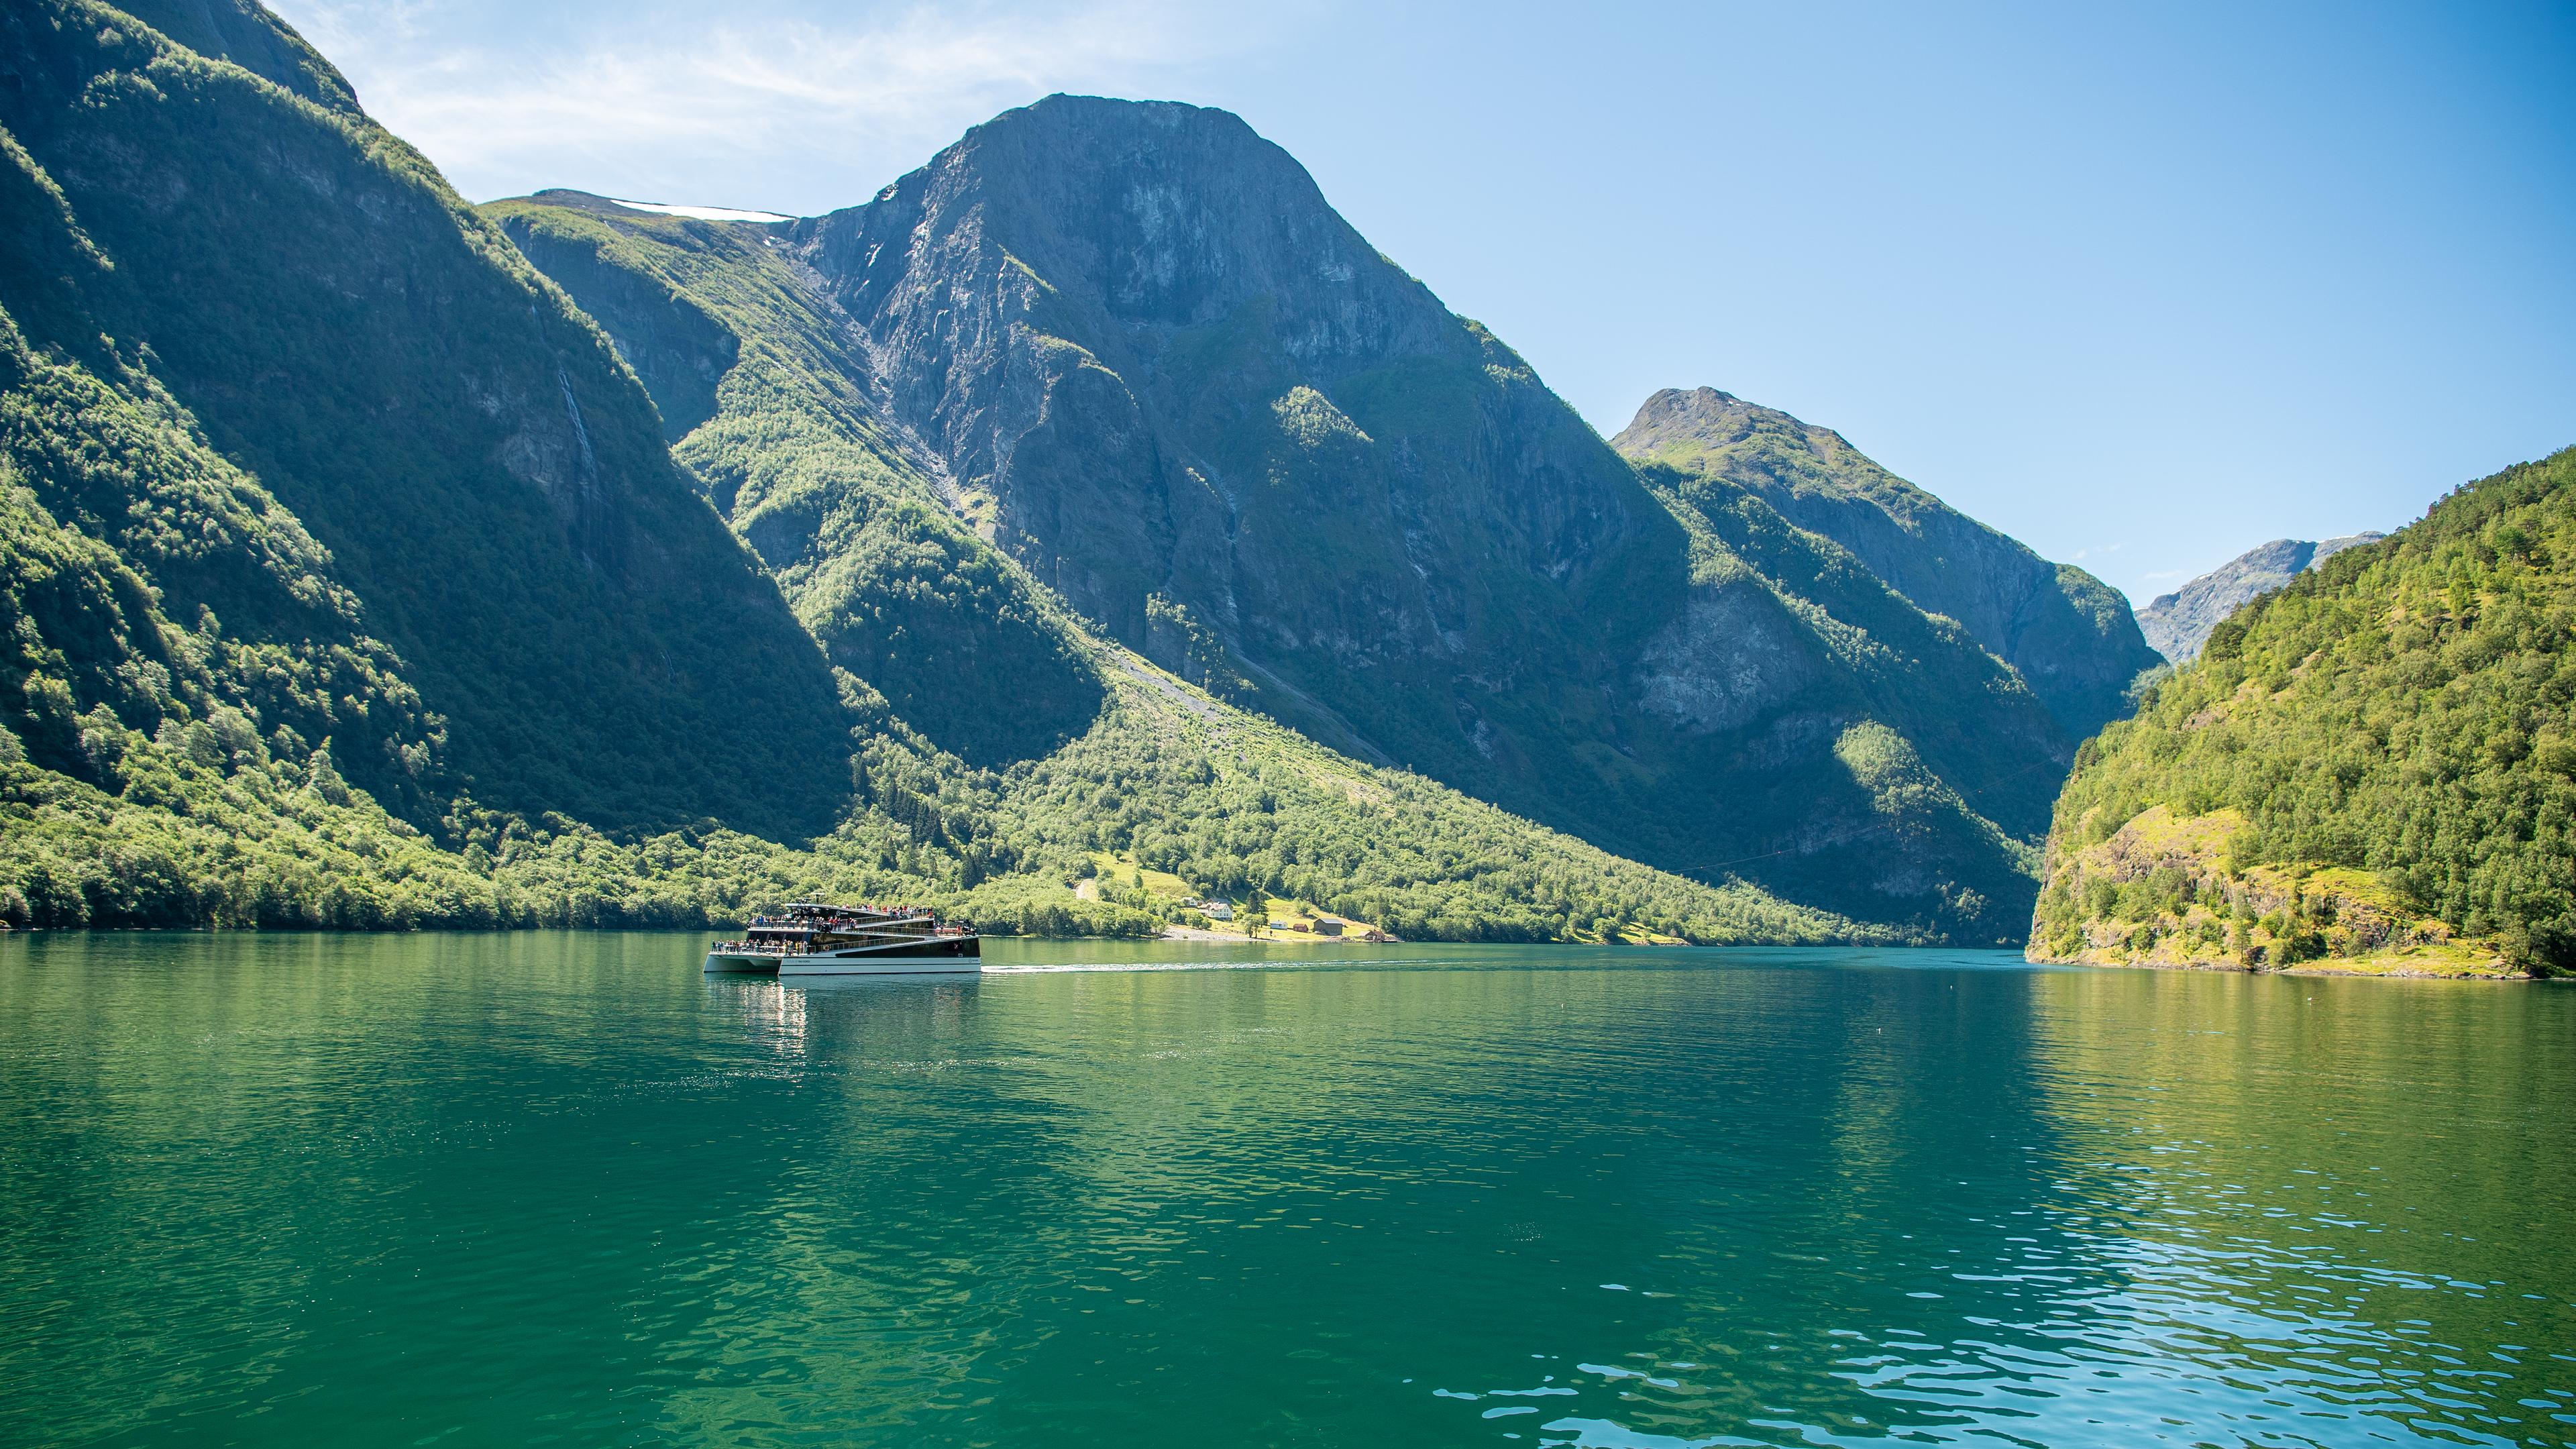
560,1186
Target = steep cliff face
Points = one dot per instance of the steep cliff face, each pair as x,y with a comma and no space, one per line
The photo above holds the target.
2071,636
267,358
761,387
1894,757
1149,362
2177,624
1138,330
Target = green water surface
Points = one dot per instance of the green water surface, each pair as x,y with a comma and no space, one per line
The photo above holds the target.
561,1189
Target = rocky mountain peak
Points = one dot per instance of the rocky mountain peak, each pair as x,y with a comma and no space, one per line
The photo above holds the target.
2177,624
1169,215
1677,417
2070,635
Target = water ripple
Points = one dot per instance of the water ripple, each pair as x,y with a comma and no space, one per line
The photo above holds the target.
563,1189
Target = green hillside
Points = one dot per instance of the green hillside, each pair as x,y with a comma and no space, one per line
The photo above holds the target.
1887,680
2373,768
389,485
346,580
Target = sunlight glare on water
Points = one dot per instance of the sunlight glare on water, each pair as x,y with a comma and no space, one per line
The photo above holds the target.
560,1188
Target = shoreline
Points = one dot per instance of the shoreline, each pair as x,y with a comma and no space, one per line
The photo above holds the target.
1277,938
2304,969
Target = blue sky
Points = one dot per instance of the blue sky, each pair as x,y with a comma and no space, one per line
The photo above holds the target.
2143,287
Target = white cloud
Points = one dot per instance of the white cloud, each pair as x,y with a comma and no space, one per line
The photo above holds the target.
748,107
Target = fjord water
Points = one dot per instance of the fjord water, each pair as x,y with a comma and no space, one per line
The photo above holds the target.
560,1189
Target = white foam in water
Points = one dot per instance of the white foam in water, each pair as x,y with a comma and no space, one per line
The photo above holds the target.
1057,968
1247,963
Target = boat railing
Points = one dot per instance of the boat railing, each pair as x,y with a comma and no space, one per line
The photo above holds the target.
748,947
852,916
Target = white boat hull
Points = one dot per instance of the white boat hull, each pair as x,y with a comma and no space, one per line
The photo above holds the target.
949,957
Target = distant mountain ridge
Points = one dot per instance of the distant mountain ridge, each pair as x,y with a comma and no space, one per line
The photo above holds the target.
348,579
578,562
2069,634
1157,369
2177,624
724,268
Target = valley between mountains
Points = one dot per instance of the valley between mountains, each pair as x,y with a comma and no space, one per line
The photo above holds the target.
1088,523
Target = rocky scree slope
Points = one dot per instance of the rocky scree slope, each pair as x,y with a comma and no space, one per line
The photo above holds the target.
2069,635
2177,623
2372,768
1151,364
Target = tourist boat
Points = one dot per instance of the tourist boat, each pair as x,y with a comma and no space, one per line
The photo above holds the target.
812,939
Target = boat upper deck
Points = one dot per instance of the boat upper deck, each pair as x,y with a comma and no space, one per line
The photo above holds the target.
807,926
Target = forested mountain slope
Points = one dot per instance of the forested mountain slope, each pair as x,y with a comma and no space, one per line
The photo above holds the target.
346,580
2176,623
2373,768
1140,353
375,480
986,668
2070,635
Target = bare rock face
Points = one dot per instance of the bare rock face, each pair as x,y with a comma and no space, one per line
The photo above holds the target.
2177,624
2070,635
767,398
1731,656
677,350
1142,332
